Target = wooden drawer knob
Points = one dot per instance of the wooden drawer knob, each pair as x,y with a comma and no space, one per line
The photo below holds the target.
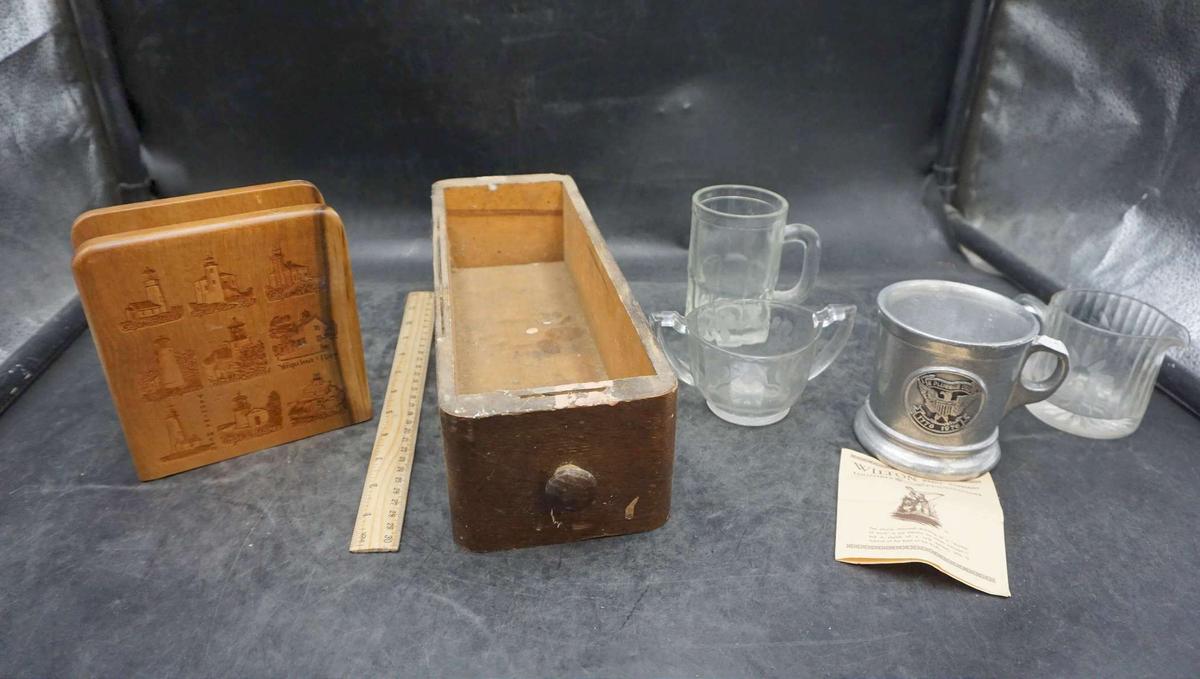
571,488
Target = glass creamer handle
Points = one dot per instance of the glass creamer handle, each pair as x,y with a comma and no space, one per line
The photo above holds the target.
1035,306
806,236
840,317
674,321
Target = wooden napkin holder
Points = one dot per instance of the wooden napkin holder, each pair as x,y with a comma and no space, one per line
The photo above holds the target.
225,322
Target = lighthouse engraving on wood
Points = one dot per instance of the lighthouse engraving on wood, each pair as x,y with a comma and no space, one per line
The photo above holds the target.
225,335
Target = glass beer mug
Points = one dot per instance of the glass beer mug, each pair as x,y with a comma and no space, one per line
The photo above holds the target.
738,234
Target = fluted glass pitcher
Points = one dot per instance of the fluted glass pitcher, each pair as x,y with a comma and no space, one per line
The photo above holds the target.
1117,344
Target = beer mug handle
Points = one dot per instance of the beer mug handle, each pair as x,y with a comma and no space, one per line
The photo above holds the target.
674,321
806,236
841,318
1032,391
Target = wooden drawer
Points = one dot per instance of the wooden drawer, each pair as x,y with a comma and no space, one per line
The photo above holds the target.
557,405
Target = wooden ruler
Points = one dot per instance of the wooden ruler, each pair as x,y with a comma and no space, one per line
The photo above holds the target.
385,491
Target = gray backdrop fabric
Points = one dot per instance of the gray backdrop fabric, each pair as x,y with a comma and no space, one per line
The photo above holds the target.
827,102
54,163
1081,160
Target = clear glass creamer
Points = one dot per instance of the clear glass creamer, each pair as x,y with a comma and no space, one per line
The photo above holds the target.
752,359
1117,344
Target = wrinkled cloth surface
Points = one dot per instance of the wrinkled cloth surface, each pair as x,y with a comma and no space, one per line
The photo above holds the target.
1082,160
54,163
642,103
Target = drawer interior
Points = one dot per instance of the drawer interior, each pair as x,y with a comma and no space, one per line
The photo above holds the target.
531,303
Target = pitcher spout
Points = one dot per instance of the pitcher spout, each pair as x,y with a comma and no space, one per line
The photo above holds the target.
1175,335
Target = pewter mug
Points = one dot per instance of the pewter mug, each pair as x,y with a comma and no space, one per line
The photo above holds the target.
948,369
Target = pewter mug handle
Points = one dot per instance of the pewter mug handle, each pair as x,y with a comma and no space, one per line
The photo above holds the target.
674,321
808,237
1032,391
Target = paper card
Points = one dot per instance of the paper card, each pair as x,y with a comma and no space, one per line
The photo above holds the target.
887,516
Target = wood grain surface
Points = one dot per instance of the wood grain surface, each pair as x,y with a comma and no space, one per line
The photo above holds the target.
190,208
224,335
557,406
